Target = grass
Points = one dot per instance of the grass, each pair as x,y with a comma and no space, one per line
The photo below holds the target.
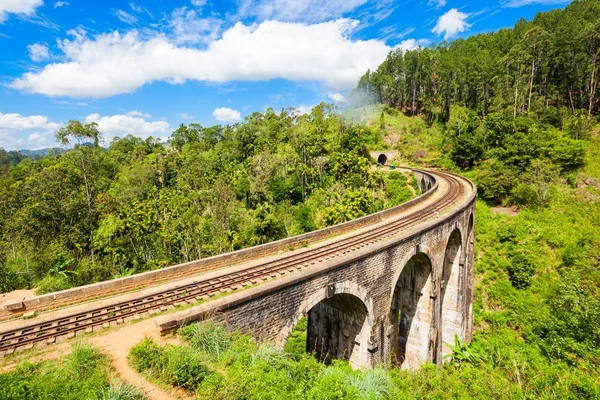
83,374
533,340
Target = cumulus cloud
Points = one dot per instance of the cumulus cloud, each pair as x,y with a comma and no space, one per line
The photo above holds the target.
24,7
38,52
225,114
40,140
115,63
198,3
185,116
123,124
451,24
59,4
18,122
298,10
338,98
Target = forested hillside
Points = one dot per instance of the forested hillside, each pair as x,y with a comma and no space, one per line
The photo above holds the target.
93,213
547,66
516,111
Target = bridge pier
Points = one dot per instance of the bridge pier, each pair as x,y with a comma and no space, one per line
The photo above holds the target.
395,300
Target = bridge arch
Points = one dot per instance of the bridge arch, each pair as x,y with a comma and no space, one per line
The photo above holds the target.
340,320
412,313
452,296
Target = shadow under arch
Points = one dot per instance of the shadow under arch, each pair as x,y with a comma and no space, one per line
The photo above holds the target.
340,318
335,326
411,313
452,294
382,159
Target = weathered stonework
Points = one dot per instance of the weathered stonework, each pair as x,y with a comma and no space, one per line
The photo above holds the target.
396,301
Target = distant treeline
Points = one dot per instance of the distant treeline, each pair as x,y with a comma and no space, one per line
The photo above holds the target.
542,66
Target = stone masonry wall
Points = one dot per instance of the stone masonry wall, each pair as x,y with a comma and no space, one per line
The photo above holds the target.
370,276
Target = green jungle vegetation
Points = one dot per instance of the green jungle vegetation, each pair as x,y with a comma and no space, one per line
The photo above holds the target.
515,110
83,374
93,213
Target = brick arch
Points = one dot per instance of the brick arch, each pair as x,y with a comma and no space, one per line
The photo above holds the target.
346,287
411,312
451,293
422,248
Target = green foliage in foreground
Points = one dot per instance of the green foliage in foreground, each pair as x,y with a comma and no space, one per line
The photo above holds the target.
217,365
83,374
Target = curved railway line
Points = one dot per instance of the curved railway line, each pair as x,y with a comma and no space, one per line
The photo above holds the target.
55,330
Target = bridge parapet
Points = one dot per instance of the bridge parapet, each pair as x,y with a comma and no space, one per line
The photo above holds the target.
15,308
398,299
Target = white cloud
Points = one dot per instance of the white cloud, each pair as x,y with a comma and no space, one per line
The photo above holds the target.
189,28
40,140
225,114
298,10
451,23
437,3
26,7
17,122
126,17
59,4
198,3
412,44
114,63
136,113
338,98
185,116
521,3
121,125
301,110
38,52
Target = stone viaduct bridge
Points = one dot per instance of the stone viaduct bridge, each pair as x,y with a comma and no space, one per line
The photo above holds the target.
389,287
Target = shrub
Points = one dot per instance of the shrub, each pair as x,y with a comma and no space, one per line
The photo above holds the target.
520,271
84,374
121,391
50,284
184,367
146,355
208,337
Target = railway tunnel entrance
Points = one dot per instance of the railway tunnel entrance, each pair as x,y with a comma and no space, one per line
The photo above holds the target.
382,159
452,293
411,314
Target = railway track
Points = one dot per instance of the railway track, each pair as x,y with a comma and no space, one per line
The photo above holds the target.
52,331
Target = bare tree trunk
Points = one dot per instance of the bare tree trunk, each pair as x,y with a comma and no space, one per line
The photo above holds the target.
516,96
531,84
571,103
593,85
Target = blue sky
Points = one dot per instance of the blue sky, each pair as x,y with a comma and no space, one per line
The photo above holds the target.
144,67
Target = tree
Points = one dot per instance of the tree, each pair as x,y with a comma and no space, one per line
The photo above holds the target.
82,133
